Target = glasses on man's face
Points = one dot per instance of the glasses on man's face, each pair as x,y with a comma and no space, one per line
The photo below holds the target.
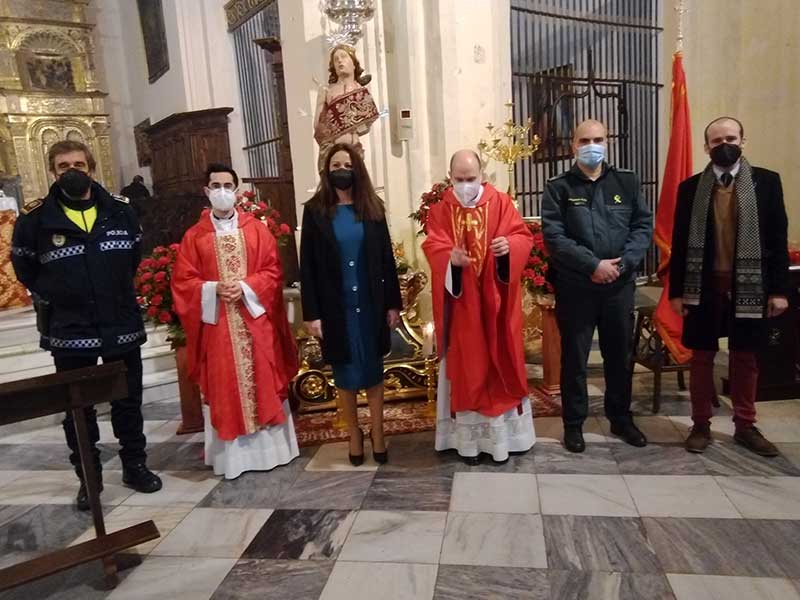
216,185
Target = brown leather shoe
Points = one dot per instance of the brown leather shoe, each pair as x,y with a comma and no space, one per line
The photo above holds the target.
699,438
752,439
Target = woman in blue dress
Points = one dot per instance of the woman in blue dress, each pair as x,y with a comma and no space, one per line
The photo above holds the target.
350,291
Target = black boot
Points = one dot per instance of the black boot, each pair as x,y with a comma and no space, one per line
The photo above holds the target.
629,433
141,479
573,438
82,501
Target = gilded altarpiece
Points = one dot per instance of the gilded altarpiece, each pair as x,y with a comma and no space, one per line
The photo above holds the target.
49,90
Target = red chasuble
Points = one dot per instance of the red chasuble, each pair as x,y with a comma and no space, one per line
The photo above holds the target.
243,365
481,330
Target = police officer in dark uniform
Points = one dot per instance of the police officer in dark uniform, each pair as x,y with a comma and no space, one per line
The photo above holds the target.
77,251
597,228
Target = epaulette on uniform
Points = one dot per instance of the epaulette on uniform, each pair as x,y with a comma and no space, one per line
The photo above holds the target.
631,171
123,199
32,206
559,176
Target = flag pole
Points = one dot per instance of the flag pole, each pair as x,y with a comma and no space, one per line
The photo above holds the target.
680,8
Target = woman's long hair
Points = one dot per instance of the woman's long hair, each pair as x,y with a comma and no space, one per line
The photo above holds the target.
368,206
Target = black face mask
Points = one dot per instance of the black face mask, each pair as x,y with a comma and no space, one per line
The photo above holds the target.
74,184
341,179
725,155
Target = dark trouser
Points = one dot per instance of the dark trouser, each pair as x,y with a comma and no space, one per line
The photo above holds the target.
743,368
126,414
578,312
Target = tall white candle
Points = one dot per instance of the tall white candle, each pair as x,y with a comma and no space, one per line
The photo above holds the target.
427,339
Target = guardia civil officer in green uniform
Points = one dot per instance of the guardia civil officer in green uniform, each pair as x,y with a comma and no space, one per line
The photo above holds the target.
77,251
597,228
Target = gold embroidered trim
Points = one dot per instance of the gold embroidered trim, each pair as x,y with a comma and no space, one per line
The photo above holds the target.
470,232
232,265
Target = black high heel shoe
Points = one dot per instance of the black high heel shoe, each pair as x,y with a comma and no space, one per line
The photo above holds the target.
358,459
379,457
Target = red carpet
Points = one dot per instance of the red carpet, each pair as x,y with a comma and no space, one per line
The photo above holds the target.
399,417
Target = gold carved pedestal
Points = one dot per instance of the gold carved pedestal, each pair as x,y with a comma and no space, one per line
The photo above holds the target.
49,90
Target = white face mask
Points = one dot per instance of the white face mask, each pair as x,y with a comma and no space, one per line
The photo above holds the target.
222,199
467,191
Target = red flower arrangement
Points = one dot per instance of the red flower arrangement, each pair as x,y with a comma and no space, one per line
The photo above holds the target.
428,199
535,273
154,292
246,202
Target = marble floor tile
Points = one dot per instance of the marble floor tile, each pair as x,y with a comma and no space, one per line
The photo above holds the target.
262,489
494,540
782,539
551,430
791,452
366,581
416,453
9,476
597,459
84,582
396,537
176,578
722,427
168,432
711,547
302,535
724,458
657,459
43,457
784,430
38,529
510,493
657,430
675,404
170,456
779,408
457,582
274,580
332,490
333,457
590,495
213,533
54,434
716,587
169,410
697,496
59,487
764,497
181,488
588,585
166,519
409,491
598,544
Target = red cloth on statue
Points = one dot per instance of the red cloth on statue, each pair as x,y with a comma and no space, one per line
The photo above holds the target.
481,331
243,365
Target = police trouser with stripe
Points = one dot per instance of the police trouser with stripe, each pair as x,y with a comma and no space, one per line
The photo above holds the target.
126,414
579,311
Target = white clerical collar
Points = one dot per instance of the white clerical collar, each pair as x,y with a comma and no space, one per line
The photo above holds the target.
474,202
720,171
225,225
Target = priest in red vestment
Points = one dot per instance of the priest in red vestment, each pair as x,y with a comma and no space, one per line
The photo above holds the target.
227,285
477,247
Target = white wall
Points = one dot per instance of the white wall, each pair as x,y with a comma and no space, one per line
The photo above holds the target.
202,73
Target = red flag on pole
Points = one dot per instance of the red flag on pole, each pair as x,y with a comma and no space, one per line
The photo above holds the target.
677,168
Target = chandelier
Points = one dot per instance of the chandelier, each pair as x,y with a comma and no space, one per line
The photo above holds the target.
350,15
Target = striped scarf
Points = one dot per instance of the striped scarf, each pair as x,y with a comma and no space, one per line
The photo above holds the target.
748,292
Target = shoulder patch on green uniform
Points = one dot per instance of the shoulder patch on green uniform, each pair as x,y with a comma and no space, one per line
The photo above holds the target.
119,198
559,176
32,206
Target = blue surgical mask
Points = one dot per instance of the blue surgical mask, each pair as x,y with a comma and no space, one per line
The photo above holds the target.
591,155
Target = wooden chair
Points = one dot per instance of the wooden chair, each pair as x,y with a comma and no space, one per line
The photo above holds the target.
53,394
650,352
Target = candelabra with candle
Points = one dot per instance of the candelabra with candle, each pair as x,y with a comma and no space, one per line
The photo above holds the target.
509,143
430,369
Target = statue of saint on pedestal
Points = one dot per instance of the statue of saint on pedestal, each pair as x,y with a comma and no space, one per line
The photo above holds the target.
345,108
